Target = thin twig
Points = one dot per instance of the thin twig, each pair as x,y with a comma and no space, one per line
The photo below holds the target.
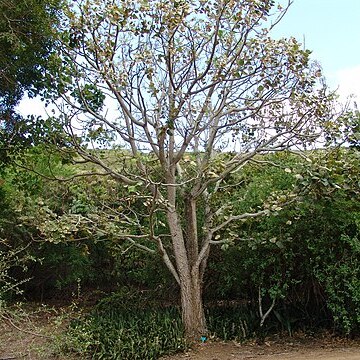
23,330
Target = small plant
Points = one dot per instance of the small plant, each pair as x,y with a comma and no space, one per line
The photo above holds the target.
11,257
236,322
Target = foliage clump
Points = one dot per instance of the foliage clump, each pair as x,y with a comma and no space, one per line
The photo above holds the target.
122,327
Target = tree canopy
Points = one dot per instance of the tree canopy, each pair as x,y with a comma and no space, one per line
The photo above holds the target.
27,36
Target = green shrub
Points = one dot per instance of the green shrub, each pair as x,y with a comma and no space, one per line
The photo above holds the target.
340,277
306,256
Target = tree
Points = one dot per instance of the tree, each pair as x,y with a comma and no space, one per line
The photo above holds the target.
170,86
27,37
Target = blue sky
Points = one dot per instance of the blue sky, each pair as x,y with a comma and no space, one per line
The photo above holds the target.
331,29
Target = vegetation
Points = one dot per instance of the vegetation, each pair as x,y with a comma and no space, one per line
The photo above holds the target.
28,32
119,333
27,35
201,165
303,257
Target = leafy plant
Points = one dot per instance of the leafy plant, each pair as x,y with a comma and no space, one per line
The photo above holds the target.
232,322
127,333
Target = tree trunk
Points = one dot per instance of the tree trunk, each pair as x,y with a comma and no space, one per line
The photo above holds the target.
186,252
190,280
191,231
192,309
191,284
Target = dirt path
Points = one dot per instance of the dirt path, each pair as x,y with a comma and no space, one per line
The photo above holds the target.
293,349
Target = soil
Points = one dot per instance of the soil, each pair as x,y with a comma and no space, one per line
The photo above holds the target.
296,348
32,334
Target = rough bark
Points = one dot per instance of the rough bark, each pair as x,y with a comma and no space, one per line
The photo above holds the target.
190,282
192,246
193,315
186,251
191,289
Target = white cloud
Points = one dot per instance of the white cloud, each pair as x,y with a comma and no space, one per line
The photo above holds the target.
348,82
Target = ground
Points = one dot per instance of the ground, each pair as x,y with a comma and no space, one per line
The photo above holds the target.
32,334
295,348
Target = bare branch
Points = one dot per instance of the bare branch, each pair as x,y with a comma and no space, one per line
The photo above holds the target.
140,246
239,217
262,315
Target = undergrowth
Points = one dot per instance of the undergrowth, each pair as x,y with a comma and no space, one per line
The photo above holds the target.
122,329
128,334
132,326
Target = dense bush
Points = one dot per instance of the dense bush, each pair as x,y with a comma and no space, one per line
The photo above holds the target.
305,259
15,254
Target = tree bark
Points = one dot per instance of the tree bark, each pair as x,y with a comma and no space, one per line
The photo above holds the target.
190,280
191,231
192,308
186,252
191,287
